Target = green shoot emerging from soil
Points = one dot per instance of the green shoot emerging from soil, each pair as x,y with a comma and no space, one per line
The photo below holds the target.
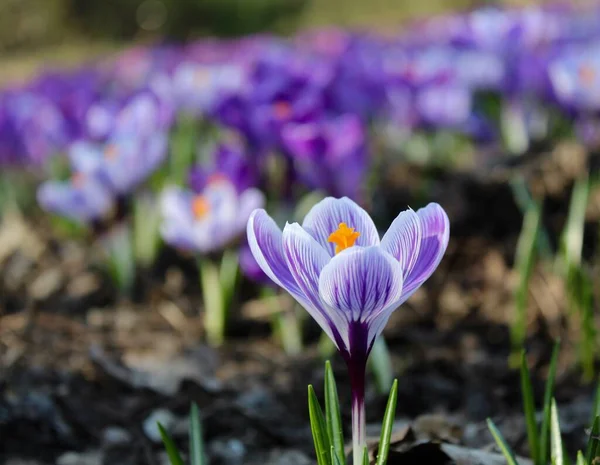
546,442
327,429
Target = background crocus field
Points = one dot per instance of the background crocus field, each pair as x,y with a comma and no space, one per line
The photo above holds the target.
136,139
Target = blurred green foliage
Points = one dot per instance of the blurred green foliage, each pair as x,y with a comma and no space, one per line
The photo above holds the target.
28,24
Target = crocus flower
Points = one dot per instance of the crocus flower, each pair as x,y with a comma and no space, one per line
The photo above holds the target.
209,221
120,164
329,154
348,279
575,77
82,198
229,161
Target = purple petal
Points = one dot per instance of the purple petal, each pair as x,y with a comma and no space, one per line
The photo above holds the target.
306,258
326,216
435,228
403,240
177,225
266,242
81,203
361,282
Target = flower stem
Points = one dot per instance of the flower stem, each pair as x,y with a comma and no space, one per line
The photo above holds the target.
356,369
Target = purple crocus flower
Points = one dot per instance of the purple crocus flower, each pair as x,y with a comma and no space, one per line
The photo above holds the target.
231,162
209,221
120,164
329,154
347,278
82,198
575,77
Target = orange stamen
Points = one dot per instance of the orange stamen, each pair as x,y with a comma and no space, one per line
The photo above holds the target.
200,206
343,237
587,75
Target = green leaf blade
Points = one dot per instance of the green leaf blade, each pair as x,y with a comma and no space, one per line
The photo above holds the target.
581,459
548,394
332,414
529,409
196,441
502,444
593,445
556,445
318,426
388,424
170,447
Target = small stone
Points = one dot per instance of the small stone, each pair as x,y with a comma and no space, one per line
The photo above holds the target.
288,457
76,458
46,284
83,285
115,436
231,451
150,425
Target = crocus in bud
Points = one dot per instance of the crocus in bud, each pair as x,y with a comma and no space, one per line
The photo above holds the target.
348,279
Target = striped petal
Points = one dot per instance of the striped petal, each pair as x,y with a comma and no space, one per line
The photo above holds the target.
403,240
360,282
326,216
306,259
266,242
435,232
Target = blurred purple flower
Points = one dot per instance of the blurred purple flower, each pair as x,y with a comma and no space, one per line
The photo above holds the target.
82,198
121,163
575,77
198,86
209,221
329,154
34,126
231,162
350,281
250,267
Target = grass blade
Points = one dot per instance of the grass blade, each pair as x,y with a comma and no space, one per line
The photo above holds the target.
502,444
170,447
214,301
548,394
196,441
556,446
572,238
366,457
596,406
581,459
593,445
529,409
335,460
524,261
388,424
318,426
332,414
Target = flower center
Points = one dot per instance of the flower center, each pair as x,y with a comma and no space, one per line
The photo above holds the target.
110,151
282,109
78,179
217,178
200,206
343,237
587,74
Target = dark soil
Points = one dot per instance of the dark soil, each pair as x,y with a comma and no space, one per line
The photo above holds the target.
85,374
